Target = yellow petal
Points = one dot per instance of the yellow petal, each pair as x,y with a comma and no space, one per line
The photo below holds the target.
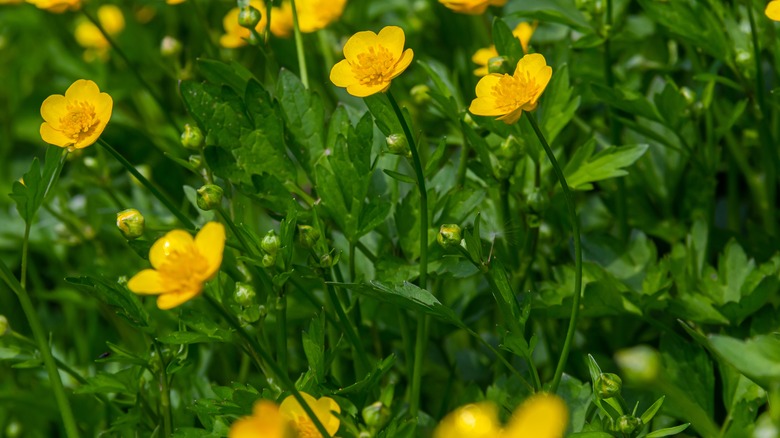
393,39
360,90
82,89
530,63
210,242
402,63
542,78
512,117
147,282
523,32
482,56
230,41
291,409
359,43
173,299
540,416
54,137
323,408
341,74
54,108
471,421
486,84
773,10
485,106
173,241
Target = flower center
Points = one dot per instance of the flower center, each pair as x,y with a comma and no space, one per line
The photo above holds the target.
80,121
183,269
512,92
375,66
305,428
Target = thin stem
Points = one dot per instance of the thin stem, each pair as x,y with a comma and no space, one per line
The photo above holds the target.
69,422
362,366
278,373
25,250
146,183
165,393
299,46
281,330
421,337
575,226
327,53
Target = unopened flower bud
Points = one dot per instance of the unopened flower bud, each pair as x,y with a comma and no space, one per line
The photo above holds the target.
511,149
192,137
538,201
90,163
688,95
420,94
628,424
498,64
5,328
270,242
249,17
397,144
209,197
640,364
608,385
130,223
268,261
375,415
244,294
195,161
449,235
308,235
170,47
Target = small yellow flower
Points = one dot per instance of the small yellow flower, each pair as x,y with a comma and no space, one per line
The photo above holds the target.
773,10
507,96
481,57
174,2
235,35
89,36
293,411
77,119
56,6
10,2
471,7
181,265
313,15
265,422
540,416
372,61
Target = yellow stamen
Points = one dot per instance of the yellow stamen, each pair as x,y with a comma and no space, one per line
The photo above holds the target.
375,66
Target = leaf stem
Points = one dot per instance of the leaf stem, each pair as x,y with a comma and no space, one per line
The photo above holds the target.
165,393
575,225
69,422
146,183
299,46
277,372
281,330
421,337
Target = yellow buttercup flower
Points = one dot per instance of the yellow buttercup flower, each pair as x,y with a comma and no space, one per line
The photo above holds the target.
265,422
293,411
507,96
471,7
313,15
181,265
56,6
77,119
89,36
10,2
773,10
481,57
372,61
540,416
236,35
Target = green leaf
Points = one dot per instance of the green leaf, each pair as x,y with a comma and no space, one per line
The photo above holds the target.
182,338
650,412
628,101
507,44
383,113
400,176
233,74
303,116
553,11
314,347
121,300
669,431
585,168
757,358
29,196
559,104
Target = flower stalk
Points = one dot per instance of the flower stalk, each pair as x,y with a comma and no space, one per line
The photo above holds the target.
299,46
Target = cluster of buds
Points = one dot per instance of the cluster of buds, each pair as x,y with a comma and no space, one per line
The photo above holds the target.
270,245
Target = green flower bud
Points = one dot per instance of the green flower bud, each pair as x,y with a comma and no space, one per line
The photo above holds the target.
249,17
270,242
538,201
308,235
209,197
14,429
170,47
640,364
269,260
130,223
195,161
628,424
375,415
192,137
608,385
420,94
449,235
397,144
511,149
499,64
244,294
5,327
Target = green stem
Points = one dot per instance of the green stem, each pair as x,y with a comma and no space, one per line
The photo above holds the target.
769,154
146,183
363,365
327,53
165,110
277,372
69,422
575,226
299,46
421,337
281,330
165,393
